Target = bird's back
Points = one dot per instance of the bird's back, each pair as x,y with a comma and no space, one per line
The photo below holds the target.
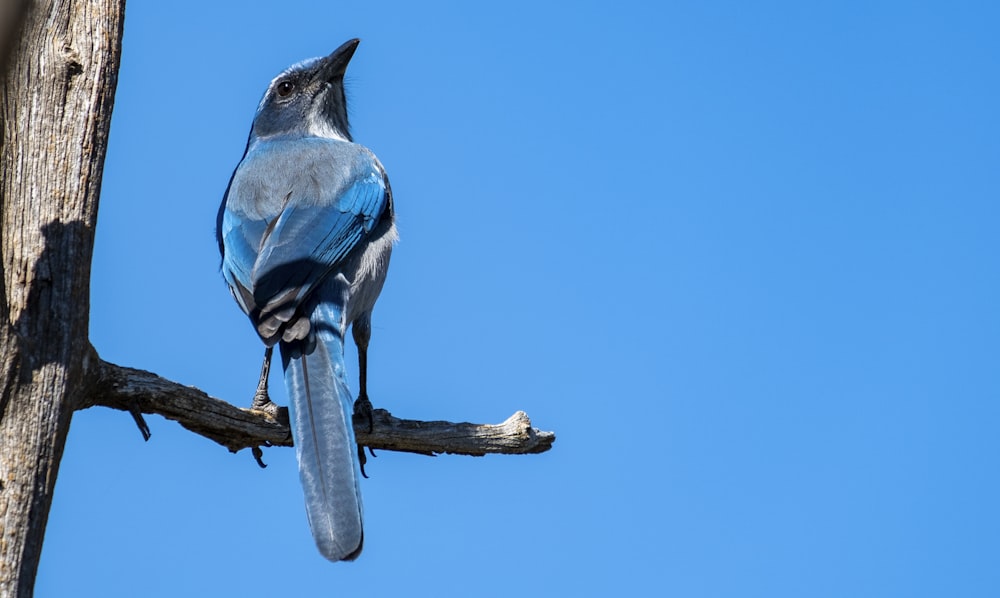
297,212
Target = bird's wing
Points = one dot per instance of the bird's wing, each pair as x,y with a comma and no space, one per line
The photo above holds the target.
280,248
241,241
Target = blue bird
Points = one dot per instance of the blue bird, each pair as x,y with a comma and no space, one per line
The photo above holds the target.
305,230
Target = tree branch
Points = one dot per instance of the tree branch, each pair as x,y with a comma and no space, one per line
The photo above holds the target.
133,390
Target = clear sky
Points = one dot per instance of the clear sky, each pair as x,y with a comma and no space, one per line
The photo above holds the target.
741,257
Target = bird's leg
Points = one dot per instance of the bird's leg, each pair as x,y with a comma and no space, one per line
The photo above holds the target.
261,400
362,332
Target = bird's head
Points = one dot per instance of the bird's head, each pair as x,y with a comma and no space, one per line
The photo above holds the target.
307,99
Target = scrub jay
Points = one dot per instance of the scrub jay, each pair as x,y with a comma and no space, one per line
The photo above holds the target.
305,230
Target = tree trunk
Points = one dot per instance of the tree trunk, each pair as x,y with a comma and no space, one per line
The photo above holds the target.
58,89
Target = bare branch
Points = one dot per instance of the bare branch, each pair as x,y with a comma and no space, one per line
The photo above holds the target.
130,389
133,390
514,436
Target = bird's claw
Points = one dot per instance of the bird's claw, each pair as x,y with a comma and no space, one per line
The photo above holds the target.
259,456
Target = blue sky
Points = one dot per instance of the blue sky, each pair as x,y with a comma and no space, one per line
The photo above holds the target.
741,257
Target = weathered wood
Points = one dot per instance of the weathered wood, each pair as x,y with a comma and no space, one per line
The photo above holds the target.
130,389
58,89
513,436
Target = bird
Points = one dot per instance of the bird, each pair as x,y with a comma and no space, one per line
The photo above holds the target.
305,229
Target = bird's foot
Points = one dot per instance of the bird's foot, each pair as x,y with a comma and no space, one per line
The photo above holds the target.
262,402
363,411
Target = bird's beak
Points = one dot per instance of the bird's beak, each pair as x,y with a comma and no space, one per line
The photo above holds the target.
333,66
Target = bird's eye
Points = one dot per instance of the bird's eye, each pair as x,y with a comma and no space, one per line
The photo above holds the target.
285,88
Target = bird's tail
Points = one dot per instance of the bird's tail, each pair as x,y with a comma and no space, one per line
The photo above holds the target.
321,409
